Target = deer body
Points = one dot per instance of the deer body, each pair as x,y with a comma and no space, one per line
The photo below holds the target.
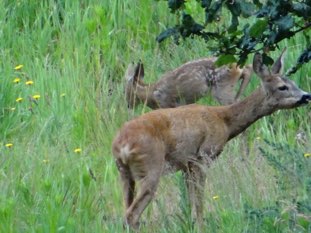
186,84
188,138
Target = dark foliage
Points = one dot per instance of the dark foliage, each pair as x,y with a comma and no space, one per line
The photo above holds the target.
274,22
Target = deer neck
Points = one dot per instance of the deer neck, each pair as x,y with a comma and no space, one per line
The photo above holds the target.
144,92
242,114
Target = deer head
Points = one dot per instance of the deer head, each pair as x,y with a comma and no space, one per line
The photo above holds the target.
134,79
282,92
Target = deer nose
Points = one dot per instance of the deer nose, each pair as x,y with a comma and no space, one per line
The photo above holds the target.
305,99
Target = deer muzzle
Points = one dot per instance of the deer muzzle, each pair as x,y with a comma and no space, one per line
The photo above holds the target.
306,98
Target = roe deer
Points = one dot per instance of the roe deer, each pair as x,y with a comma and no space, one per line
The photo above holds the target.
189,137
186,84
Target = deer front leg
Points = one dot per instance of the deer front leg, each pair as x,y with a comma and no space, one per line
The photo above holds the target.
245,77
195,180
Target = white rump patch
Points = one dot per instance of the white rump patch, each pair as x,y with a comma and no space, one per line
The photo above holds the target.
125,153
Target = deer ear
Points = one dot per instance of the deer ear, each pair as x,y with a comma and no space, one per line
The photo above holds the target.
278,64
130,72
139,71
259,67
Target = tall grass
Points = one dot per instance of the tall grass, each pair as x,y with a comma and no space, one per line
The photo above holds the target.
75,52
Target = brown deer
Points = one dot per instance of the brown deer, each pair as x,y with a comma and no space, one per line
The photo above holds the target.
186,84
188,138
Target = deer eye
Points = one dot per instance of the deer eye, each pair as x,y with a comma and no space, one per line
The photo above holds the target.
283,88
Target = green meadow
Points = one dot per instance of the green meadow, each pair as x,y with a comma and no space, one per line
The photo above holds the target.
62,102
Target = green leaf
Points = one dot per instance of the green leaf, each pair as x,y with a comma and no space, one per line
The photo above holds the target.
212,12
225,59
174,5
206,3
247,9
305,56
258,28
234,8
189,26
285,23
302,9
167,33
267,60
242,59
234,24
257,3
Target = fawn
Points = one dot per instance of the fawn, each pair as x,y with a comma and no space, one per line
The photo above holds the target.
186,84
189,137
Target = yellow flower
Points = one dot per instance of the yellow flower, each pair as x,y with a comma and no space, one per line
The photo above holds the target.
77,150
19,99
62,95
216,197
29,82
9,145
16,80
36,97
306,155
18,67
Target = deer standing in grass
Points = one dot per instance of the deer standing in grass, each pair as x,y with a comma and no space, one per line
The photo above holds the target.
188,138
186,84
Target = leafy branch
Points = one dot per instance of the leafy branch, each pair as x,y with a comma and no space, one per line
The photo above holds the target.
274,21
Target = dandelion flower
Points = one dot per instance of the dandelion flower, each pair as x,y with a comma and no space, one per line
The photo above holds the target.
36,97
19,99
29,82
216,197
9,145
16,80
77,150
62,95
18,67
306,155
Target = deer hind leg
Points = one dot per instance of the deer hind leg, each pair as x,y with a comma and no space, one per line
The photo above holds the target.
128,183
195,180
245,77
145,195
148,173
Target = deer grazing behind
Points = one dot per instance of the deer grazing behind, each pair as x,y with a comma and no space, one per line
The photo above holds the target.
188,138
186,84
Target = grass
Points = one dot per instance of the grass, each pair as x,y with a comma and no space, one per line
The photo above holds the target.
76,52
